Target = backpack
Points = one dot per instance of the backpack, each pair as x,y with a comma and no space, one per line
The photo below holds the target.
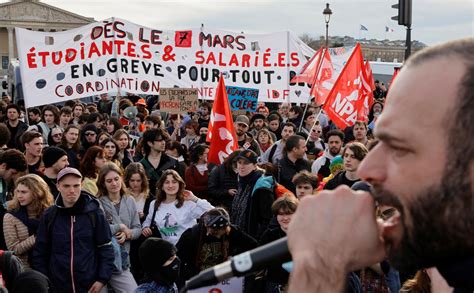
278,189
272,153
281,190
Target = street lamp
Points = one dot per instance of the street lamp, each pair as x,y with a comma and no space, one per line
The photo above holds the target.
327,16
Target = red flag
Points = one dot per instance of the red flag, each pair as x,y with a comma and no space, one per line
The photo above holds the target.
370,76
221,132
395,72
324,80
309,69
349,99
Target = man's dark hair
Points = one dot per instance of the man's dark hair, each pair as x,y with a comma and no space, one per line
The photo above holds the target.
70,104
361,123
180,148
206,105
83,119
28,136
461,154
298,110
155,119
35,111
292,142
305,177
290,124
93,117
335,132
359,150
274,116
150,136
14,160
197,151
54,110
12,106
65,110
308,113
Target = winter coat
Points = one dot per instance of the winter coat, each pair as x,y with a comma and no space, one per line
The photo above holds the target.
287,169
197,182
251,208
190,242
73,245
219,183
154,174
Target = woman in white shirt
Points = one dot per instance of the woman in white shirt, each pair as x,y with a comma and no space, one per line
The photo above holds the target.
175,209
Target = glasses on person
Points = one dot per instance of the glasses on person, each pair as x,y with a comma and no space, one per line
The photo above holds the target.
57,135
317,131
387,214
90,133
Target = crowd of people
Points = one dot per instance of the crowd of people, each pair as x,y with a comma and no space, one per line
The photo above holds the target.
94,200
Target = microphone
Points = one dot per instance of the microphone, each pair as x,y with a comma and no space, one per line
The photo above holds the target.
247,262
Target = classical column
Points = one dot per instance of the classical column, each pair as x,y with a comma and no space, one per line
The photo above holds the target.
10,43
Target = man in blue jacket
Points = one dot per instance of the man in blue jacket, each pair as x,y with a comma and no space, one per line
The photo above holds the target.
73,244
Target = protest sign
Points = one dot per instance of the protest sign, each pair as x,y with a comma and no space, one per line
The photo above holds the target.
234,285
178,100
242,99
114,54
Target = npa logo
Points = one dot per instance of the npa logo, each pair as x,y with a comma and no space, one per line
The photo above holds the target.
183,39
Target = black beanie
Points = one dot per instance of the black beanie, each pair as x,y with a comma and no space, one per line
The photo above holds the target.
154,252
51,155
32,281
89,127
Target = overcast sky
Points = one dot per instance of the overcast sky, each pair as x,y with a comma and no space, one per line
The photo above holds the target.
434,21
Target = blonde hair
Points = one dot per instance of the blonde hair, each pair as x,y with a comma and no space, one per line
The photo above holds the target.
42,197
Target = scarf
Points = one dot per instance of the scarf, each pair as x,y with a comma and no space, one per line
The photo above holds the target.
22,215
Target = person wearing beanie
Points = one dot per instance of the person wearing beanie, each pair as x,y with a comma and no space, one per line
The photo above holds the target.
54,159
160,265
213,232
31,281
88,137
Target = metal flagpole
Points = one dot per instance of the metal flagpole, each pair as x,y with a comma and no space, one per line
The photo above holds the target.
318,69
314,123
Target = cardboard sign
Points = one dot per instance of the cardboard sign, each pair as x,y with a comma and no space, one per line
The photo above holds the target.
115,54
242,99
234,285
178,101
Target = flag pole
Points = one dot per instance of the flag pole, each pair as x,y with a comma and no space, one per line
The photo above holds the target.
318,69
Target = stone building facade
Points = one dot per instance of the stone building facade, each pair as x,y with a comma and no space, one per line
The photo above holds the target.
33,15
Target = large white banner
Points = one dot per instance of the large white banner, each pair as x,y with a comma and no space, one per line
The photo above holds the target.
117,55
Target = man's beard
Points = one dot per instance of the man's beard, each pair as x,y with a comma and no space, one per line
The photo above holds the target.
437,224
334,153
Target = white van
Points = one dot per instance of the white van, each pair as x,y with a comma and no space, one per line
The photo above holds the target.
15,89
383,71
